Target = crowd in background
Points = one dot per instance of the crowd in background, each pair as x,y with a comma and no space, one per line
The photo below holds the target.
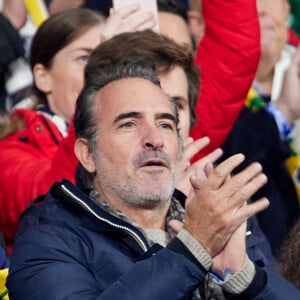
234,95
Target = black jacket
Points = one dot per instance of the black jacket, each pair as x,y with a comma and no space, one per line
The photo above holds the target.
11,47
255,134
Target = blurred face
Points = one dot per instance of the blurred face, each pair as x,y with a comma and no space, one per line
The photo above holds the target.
65,77
138,146
174,84
272,17
174,27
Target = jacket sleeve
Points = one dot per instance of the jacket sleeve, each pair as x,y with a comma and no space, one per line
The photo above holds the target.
277,288
63,273
257,246
228,57
271,287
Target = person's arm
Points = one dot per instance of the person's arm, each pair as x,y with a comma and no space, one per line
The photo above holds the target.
243,280
12,18
15,12
126,19
250,281
221,230
286,110
68,272
228,57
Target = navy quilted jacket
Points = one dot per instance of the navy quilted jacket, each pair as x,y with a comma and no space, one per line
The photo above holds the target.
69,248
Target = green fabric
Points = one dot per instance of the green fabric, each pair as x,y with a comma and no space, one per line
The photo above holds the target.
295,15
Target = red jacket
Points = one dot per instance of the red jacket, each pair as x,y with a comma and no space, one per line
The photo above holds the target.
228,57
30,161
293,38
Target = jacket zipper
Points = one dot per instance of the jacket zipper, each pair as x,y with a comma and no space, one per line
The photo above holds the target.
129,231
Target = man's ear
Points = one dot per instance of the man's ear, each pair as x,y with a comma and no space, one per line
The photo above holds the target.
41,78
84,155
287,8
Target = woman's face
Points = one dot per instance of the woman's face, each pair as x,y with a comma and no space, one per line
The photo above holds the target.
65,77
273,15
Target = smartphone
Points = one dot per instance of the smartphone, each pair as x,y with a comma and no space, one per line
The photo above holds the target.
145,6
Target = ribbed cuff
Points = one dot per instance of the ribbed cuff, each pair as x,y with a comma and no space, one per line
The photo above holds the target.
239,281
195,248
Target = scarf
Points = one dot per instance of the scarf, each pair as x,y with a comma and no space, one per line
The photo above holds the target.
256,102
210,290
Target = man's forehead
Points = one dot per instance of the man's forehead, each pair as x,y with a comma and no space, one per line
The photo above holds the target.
132,94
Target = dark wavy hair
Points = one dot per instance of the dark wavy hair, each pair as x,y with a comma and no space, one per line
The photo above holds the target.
164,52
289,258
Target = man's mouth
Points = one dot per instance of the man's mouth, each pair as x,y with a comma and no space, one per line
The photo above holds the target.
154,162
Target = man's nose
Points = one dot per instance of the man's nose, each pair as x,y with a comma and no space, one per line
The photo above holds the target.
152,137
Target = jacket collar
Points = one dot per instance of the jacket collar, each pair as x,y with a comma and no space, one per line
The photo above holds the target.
68,192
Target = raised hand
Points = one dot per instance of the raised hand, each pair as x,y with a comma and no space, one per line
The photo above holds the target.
121,20
15,11
289,99
218,204
190,148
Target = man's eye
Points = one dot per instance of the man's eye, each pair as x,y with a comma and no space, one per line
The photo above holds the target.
167,126
127,125
179,105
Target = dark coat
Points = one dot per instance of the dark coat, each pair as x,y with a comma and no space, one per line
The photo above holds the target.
255,134
69,248
11,47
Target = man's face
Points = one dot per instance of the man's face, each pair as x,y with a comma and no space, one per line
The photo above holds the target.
174,27
138,144
174,83
272,17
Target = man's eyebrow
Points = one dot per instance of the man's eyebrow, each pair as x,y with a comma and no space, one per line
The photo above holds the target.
134,114
167,116
131,114
178,98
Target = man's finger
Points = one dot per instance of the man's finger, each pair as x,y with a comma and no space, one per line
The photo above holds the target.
248,190
238,182
192,148
176,225
253,208
209,158
217,177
